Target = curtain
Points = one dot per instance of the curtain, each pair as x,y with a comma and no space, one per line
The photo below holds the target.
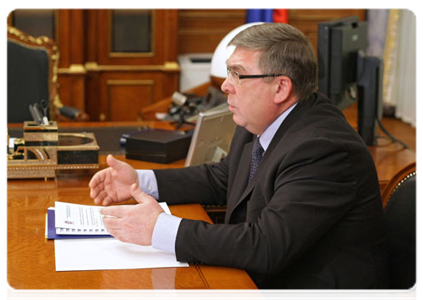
394,35
377,20
399,82
408,70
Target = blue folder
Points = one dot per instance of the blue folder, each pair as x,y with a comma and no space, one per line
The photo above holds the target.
52,235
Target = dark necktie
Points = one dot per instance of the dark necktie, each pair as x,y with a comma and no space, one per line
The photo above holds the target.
255,158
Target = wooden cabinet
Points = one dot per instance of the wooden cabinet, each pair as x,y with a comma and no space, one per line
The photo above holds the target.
112,62
124,75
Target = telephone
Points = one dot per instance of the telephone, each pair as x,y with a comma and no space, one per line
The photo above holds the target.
186,107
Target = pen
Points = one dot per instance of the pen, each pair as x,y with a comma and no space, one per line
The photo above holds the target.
38,113
34,115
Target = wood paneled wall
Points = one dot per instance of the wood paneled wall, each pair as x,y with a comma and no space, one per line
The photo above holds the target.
201,30
306,20
110,87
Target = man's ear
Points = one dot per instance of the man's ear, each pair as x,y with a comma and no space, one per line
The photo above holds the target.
284,89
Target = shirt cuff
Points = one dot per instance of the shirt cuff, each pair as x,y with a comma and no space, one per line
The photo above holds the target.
148,183
165,231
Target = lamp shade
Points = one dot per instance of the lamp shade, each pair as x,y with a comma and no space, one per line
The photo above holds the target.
223,52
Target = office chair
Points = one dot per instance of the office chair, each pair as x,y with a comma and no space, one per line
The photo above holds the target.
399,201
32,67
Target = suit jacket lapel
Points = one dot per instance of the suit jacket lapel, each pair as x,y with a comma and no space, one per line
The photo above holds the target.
248,188
240,180
240,189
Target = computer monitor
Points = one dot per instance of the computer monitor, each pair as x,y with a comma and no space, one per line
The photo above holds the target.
370,101
347,75
212,137
339,43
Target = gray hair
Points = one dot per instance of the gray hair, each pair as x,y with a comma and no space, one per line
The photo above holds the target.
285,50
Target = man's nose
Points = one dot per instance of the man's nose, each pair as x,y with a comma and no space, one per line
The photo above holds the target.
227,86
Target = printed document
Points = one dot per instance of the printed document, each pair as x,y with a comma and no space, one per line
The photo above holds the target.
78,219
106,253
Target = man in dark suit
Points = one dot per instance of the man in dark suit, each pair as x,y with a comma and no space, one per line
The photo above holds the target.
300,186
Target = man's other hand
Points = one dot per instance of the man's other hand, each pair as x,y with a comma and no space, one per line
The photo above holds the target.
133,223
113,184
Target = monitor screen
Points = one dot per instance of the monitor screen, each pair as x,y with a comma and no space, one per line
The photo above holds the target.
212,137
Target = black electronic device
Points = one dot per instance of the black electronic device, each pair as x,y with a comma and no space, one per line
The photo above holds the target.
347,75
339,42
158,145
370,102
324,30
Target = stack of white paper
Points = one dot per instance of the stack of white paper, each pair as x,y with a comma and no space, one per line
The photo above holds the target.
76,219
104,253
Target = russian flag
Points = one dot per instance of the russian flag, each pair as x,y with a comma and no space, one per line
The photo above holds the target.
267,15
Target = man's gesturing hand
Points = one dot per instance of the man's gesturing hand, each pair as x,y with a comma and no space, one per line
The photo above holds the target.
133,223
112,185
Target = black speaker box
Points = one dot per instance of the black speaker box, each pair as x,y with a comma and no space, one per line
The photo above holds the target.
158,145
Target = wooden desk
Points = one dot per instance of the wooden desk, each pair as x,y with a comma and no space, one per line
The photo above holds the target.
31,259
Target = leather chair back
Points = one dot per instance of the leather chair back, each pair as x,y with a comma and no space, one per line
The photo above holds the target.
399,199
401,202
31,74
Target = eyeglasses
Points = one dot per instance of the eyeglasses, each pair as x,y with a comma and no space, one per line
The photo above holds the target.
237,77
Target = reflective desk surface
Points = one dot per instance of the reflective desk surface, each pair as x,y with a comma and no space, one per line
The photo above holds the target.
31,260
31,263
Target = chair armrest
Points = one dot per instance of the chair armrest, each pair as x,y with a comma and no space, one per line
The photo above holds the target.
67,113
